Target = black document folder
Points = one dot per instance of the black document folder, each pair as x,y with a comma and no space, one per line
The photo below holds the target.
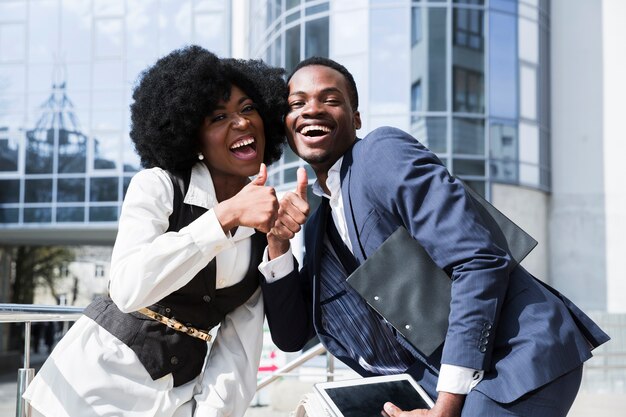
403,284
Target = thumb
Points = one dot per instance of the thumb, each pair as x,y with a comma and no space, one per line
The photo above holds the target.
262,176
391,409
303,182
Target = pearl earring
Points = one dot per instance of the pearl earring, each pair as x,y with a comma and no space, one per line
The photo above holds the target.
200,156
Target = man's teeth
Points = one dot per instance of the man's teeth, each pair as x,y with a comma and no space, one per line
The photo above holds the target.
307,129
241,143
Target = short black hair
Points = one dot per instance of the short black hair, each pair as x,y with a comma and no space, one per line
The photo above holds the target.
174,96
327,62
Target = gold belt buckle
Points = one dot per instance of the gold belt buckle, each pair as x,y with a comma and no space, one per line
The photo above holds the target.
176,325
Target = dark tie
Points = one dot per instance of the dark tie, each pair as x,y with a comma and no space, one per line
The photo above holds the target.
346,257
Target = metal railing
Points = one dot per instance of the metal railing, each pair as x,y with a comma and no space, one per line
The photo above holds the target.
29,313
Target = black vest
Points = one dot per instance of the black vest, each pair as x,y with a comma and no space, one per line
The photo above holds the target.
162,350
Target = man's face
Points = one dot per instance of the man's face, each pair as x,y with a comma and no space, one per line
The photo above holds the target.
321,124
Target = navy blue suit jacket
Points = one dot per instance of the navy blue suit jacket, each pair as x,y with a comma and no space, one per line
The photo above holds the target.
502,320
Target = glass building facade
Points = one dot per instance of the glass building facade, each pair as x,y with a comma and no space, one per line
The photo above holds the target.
67,68
468,78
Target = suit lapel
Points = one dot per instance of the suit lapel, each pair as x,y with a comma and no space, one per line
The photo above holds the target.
319,225
348,209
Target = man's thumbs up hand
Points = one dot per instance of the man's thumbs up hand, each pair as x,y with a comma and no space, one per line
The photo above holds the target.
293,211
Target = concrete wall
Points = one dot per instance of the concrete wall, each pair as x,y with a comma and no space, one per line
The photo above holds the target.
577,210
528,208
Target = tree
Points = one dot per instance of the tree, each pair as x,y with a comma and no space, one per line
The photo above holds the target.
37,265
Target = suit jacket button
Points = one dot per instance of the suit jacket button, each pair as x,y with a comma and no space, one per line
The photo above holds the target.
483,349
174,360
207,298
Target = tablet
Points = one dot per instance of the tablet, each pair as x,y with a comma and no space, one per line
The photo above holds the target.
365,397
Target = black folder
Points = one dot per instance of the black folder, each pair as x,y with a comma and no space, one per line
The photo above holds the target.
403,284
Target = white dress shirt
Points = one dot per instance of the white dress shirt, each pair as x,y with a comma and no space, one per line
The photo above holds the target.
452,378
91,373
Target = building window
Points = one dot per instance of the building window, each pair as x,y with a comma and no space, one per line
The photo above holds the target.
468,28
468,90
99,273
416,25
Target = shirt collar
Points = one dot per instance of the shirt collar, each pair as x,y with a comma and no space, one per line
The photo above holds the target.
333,182
201,193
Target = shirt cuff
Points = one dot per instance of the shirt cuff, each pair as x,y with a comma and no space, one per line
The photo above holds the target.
277,268
207,233
458,379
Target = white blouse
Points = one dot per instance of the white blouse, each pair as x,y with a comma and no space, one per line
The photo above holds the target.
90,372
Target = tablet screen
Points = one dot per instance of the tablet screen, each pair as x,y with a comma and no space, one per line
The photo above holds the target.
367,400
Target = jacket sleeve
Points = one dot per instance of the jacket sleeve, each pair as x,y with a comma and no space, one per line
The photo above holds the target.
434,207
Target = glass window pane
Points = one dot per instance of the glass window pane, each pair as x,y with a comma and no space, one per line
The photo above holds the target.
175,23
529,174
38,215
108,74
39,151
142,28
12,10
389,83
478,186
103,214
431,131
72,152
70,214
474,167
9,215
125,185
503,65
76,30
108,7
529,143
316,38
468,136
43,42
468,87
12,42
9,151
292,48
316,9
416,25
108,38
106,151
428,59
103,189
528,92
209,31
9,191
504,153
528,41
71,189
292,3
290,175
38,191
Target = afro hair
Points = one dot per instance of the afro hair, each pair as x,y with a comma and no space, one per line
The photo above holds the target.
174,96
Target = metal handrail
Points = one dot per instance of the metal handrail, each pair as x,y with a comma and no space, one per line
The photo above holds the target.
28,313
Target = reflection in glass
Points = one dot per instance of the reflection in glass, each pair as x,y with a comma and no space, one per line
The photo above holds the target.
468,91
9,215
292,3
70,214
468,136
9,191
478,186
70,189
38,215
503,153
502,65
316,38
292,48
428,59
431,132
528,92
105,151
12,42
468,28
125,185
8,151
108,37
416,25
319,8
103,189
209,32
38,191
474,167
103,214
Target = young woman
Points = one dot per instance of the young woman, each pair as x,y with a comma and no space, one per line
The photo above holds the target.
180,333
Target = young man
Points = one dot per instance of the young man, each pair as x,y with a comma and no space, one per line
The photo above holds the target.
513,347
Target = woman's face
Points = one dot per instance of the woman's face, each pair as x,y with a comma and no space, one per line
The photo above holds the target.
233,138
